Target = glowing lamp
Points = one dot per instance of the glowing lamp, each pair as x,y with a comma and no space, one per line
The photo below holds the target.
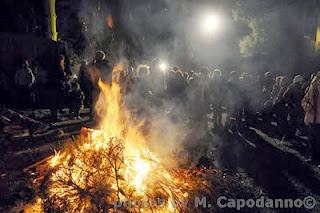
163,66
211,23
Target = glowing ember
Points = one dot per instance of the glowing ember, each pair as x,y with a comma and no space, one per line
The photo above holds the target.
34,207
112,165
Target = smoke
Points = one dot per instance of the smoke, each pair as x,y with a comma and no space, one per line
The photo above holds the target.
93,16
280,36
274,39
173,30
253,36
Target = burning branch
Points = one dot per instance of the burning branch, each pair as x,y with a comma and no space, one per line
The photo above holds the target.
86,178
111,166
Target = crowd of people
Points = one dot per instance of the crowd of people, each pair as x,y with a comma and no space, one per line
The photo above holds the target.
31,83
287,106
235,99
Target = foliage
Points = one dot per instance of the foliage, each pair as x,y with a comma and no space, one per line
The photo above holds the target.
251,44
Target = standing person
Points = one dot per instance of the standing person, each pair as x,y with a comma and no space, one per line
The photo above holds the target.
275,89
267,86
216,95
194,93
24,79
311,106
204,89
283,86
65,82
63,67
232,99
63,51
292,97
76,97
176,85
40,86
279,107
246,85
56,77
268,107
99,68
4,90
142,81
85,83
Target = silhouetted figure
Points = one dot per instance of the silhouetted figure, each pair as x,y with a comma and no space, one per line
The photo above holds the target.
232,99
176,85
56,79
311,106
99,68
76,98
85,83
279,108
216,96
24,79
292,97
5,92
267,86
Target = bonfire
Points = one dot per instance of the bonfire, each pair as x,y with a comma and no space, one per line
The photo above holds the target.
111,169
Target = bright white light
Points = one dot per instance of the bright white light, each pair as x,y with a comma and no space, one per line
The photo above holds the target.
211,23
163,66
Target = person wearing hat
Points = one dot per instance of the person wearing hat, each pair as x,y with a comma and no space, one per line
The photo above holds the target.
99,68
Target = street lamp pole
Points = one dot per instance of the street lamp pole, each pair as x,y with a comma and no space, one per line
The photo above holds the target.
53,20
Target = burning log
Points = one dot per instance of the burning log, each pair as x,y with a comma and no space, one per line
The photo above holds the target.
37,164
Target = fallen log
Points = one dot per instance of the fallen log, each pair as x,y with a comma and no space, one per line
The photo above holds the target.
30,167
10,118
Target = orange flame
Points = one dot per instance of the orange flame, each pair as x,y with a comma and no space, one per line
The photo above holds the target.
35,206
117,69
109,21
112,163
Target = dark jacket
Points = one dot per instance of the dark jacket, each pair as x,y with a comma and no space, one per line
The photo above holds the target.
293,96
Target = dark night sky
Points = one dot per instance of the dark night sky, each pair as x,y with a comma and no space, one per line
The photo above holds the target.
164,26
